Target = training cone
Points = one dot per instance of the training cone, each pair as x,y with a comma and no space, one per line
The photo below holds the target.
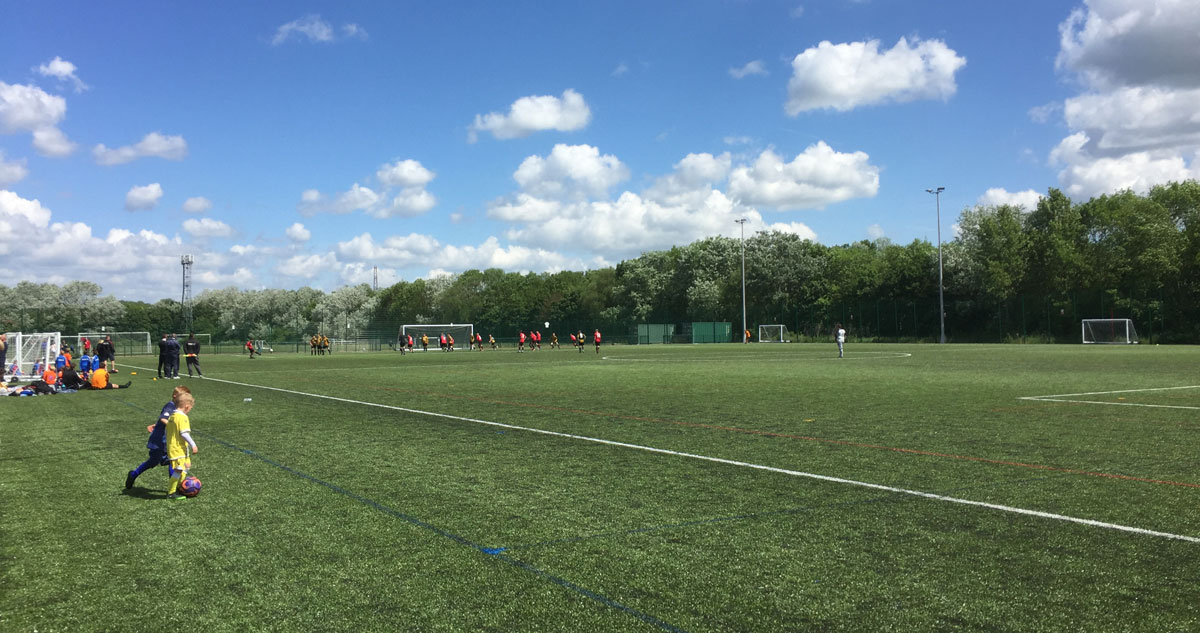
133,373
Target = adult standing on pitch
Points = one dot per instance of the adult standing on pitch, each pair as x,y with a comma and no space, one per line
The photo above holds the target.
3,353
162,356
596,339
172,357
839,334
191,350
108,354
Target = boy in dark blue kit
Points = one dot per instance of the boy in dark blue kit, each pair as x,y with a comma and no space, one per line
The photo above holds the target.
157,444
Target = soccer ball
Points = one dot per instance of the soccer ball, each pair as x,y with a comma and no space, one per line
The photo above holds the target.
190,486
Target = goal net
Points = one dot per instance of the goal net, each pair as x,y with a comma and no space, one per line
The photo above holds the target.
462,333
26,349
124,343
774,334
1117,331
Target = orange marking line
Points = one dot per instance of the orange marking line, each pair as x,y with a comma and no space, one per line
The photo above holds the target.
809,438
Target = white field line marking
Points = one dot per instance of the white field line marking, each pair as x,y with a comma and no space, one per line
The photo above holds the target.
730,462
1068,397
669,358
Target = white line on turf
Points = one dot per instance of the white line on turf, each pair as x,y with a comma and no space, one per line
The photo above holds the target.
731,462
1068,397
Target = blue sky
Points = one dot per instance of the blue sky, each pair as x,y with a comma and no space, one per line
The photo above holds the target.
292,144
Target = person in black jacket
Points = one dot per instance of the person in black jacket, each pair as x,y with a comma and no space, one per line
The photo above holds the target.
172,365
191,349
162,356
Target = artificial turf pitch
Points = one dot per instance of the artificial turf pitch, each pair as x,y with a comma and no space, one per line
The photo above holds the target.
677,488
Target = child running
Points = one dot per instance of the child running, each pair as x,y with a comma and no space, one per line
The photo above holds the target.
179,441
157,443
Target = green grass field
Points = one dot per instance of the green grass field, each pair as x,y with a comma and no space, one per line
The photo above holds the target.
678,488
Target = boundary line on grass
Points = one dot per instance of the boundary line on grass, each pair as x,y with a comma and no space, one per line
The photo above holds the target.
762,467
495,552
1068,397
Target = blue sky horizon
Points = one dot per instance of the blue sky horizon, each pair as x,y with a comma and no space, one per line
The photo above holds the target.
304,144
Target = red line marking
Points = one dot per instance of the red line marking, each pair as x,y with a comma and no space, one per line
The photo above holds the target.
809,438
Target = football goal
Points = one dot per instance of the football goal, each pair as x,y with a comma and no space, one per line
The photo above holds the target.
124,343
1113,331
26,349
774,334
462,333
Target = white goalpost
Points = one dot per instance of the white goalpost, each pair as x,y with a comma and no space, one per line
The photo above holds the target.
1109,331
124,343
462,333
774,334
26,349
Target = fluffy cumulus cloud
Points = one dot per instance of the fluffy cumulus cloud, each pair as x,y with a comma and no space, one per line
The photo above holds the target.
813,179
1135,124
1026,200
62,70
846,76
153,144
198,204
127,263
25,108
403,251
207,227
297,233
570,171
309,27
535,114
143,197
402,193
12,170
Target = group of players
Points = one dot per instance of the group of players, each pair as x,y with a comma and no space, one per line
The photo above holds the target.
445,341
318,345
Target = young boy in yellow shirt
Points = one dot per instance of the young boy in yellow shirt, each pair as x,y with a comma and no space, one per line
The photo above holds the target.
179,441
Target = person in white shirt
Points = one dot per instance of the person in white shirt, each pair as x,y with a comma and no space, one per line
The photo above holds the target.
840,335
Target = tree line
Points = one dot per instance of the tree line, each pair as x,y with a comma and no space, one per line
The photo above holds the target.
1009,274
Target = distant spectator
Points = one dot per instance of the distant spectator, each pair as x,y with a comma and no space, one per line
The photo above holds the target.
191,350
172,357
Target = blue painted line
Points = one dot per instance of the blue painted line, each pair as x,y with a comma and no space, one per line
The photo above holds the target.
494,552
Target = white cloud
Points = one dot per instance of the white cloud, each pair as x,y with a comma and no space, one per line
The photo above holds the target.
307,266
875,232
1116,43
143,198
1026,200
12,170
310,27
13,206
153,144
797,12
297,233
813,179
404,173
62,70
535,114
26,108
1135,124
621,69
846,76
198,204
751,68
570,171
410,202
409,250
693,179
354,31
207,227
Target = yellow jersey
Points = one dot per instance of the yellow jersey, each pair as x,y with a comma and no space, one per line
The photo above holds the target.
177,425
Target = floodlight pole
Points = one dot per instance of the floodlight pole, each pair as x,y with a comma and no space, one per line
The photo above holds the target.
937,193
742,223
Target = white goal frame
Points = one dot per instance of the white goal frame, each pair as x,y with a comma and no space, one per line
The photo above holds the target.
26,349
774,333
1108,332
436,329
128,343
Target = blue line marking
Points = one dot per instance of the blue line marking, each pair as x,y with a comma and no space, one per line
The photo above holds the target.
495,552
